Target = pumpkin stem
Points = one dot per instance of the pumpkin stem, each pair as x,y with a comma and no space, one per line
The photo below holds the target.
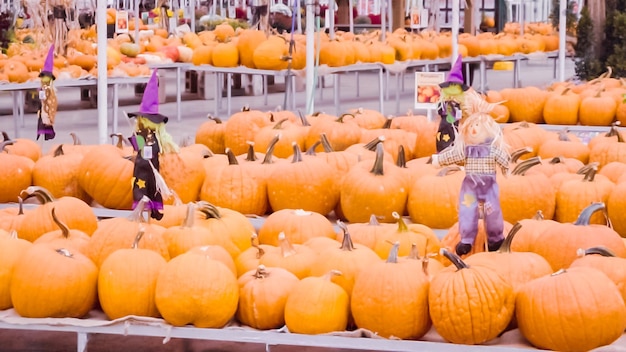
346,243
393,253
209,210
311,150
214,118
190,217
590,173
297,153
139,236
329,275
4,144
401,224
43,195
506,245
563,135
232,159
538,215
414,253
13,235
137,214
303,119
75,139
5,136
269,153
599,250
64,229
558,272
585,214
522,167
279,124
120,140
387,124
454,259
254,241
58,151
20,206
326,143
371,145
401,160
448,170
261,272
64,252
557,160
374,221
286,248
377,168
516,154
341,118
250,154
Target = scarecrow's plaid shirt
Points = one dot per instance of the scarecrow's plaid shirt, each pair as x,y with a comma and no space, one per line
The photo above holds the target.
476,165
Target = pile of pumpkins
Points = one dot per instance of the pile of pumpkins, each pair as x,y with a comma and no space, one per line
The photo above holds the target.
598,102
226,47
204,263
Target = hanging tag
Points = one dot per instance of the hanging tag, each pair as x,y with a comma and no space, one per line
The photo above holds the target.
42,94
147,152
459,114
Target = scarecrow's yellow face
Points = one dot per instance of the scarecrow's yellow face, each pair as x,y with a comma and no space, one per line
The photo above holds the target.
46,80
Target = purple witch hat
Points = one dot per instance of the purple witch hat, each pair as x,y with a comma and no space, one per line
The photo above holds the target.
149,107
456,75
48,64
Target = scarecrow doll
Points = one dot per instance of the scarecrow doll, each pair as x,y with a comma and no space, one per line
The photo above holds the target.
149,140
480,147
48,99
451,105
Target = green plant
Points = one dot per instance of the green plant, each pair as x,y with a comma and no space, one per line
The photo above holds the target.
588,65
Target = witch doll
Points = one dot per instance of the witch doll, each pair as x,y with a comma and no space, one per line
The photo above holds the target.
481,148
452,105
149,140
47,98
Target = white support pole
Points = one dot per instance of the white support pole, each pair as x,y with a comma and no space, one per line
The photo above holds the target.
101,20
351,9
455,29
389,15
192,14
299,16
136,19
310,56
383,20
562,32
331,19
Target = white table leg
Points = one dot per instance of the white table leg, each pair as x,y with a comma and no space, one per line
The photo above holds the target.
381,85
178,94
16,114
483,76
115,106
397,93
229,82
218,93
358,90
336,90
264,89
21,100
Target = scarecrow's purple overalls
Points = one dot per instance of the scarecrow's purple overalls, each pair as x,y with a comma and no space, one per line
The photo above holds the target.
479,185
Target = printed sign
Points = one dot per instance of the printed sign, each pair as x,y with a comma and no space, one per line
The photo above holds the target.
121,22
419,18
427,90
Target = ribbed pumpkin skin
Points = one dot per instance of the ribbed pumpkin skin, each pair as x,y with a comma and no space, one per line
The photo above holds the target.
195,289
391,299
49,284
487,295
317,306
11,250
574,310
126,283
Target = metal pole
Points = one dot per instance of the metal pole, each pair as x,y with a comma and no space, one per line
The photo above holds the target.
101,20
310,55
562,32
455,29
383,20
192,14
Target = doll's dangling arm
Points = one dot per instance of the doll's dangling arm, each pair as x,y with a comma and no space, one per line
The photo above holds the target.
449,156
503,159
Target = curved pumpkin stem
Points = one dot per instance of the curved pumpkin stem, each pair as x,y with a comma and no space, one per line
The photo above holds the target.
585,214
558,272
250,154
563,135
64,229
557,160
209,210
326,143
214,118
5,136
311,150
387,124
303,120
393,253
447,170
401,160
538,215
254,241
506,245
522,167
43,195
377,168
190,217
516,154
590,172
261,272
346,243
279,124
341,118
454,259
414,252
401,224
4,144
599,250
297,153
329,275
58,151
371,145
138,238
119,143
